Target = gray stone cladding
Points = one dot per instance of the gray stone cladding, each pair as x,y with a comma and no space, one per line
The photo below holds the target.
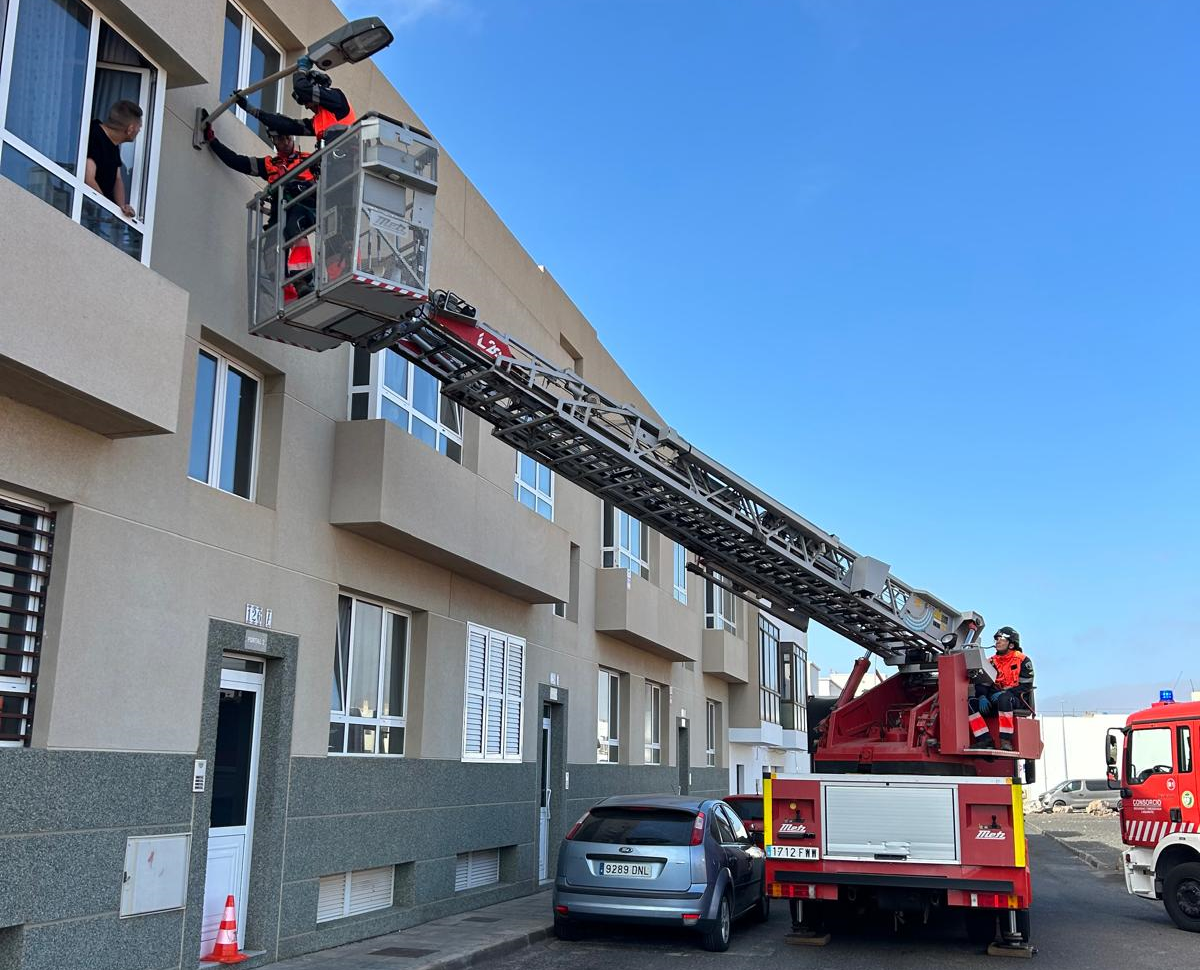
65,817
418,815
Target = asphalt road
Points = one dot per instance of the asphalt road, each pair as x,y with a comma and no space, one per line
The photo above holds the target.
1081,919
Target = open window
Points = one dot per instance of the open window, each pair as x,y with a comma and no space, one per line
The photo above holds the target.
62,67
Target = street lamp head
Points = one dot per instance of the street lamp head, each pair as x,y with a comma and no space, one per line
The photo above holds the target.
350,43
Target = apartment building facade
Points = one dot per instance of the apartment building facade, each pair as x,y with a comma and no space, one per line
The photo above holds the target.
285,624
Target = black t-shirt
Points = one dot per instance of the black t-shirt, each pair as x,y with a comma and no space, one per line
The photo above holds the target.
107,157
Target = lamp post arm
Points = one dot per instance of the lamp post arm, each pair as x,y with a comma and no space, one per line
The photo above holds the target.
204,118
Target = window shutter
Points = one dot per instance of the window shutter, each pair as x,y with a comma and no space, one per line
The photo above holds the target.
514,692
371,889
473,869
495,694
331,897
485,867
476,662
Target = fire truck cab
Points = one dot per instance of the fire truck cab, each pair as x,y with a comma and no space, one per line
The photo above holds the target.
1151,761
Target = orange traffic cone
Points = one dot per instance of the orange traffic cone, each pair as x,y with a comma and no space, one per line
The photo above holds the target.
226,948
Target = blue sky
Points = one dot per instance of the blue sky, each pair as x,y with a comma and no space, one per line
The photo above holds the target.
925,270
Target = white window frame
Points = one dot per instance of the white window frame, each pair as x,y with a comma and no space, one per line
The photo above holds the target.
536,494
216,443
377,720
152,115
501,649
243,72
617,531
654,695
604,694
21,682
378,392
768,670
710,733
679,571
720,607
347,889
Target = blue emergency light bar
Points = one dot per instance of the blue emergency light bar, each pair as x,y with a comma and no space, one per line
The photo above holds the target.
1166,696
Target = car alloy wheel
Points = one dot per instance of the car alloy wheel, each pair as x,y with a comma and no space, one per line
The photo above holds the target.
716,937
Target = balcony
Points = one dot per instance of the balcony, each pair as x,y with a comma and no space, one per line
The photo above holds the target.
633,609
90,335
390,487
725,656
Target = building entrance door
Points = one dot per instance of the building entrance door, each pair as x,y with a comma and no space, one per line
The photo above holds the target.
234,779
545,799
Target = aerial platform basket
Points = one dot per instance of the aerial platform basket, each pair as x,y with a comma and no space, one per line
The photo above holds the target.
339,247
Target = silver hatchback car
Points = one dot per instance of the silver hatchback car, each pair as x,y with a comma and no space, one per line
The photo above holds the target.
663,860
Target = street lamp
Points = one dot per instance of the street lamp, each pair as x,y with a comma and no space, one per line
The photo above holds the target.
349,44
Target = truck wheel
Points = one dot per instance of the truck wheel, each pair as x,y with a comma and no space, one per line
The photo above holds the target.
1181,895
981,926
716,937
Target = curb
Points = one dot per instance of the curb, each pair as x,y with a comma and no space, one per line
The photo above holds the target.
1093,861
493,950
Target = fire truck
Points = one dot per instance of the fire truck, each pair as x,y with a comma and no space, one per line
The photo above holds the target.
901,814
1150,760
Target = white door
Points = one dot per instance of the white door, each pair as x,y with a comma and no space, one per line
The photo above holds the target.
544,812
234,779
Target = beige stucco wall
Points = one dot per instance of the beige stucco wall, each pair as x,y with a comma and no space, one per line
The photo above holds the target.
147,556
72,300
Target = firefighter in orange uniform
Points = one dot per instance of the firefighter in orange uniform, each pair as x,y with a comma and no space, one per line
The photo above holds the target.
302,216
1013,678
331,110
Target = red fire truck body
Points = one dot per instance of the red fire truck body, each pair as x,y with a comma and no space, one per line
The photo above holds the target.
1160,817
901,814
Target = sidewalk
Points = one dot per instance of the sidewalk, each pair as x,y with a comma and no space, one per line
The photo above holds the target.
1097,841
462,940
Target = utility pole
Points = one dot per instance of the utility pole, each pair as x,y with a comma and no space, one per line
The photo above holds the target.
1063,713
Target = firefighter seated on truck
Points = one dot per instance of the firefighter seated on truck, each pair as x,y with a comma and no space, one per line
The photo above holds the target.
311,88
1014,678
300,217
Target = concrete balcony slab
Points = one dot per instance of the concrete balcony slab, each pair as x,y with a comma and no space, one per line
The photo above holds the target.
393,488
86,332
725,656
633,609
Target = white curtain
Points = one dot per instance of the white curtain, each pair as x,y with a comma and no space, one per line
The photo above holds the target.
45,103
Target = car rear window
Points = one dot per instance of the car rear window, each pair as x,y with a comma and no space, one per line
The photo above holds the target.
637,826
750,809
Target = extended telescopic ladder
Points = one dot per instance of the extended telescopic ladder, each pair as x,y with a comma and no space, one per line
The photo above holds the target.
760,548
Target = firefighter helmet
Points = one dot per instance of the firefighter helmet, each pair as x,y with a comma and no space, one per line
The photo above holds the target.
1013,636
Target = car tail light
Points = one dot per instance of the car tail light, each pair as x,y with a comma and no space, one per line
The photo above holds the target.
698,830
575,827
691,919
561,910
